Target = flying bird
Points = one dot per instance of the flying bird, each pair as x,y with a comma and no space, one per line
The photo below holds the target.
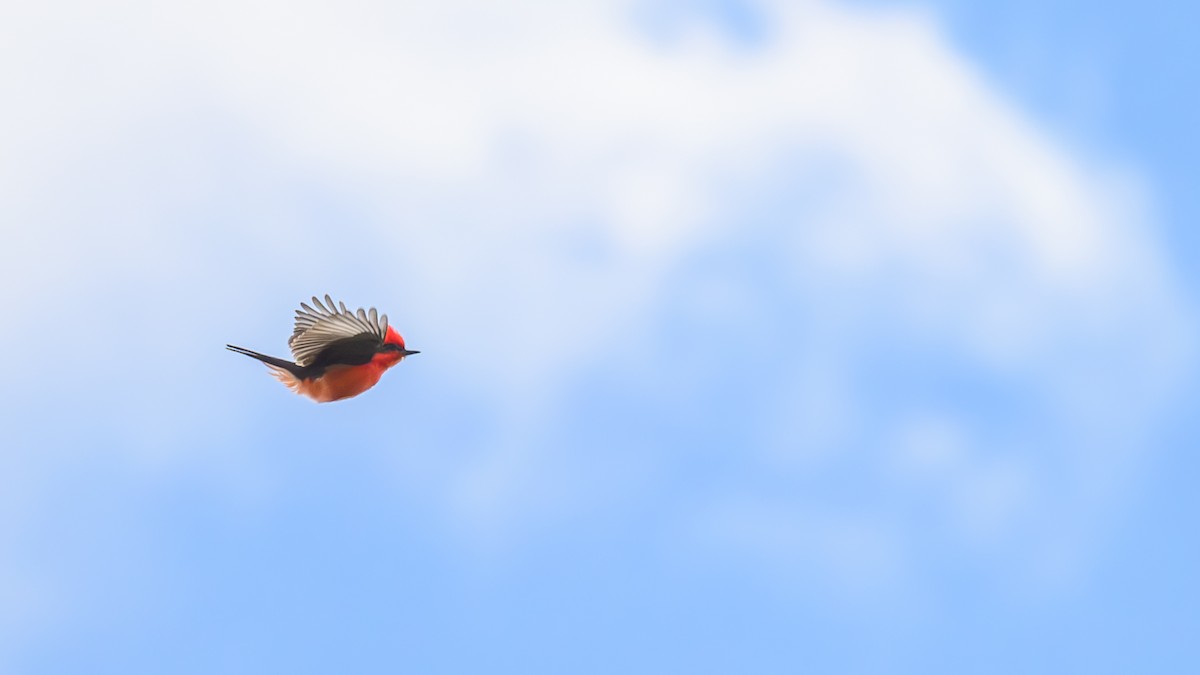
338,353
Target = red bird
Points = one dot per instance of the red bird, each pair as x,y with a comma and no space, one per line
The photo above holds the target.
339,353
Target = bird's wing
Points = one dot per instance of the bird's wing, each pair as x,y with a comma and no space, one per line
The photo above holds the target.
318,328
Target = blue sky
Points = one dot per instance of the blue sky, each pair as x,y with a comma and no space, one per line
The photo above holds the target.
756,337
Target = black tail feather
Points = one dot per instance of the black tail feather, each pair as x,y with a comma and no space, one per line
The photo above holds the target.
298,371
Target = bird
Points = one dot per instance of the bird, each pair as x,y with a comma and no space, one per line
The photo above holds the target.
338,353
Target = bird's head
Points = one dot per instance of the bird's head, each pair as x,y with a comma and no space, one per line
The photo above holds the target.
393,345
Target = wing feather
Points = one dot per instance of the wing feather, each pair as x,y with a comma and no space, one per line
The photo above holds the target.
320,324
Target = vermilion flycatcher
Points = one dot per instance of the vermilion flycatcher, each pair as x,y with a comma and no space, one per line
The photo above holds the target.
339,353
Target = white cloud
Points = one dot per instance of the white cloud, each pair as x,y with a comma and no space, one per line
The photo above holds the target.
530,177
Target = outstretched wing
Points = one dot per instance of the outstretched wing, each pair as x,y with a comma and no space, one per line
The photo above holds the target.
320,327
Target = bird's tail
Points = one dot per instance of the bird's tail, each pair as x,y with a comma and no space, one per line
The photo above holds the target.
286,372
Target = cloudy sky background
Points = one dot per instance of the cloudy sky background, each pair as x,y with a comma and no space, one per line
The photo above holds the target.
756,337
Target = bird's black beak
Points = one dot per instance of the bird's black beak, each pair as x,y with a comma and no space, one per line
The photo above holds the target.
408,352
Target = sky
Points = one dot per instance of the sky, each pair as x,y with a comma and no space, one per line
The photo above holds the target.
817,336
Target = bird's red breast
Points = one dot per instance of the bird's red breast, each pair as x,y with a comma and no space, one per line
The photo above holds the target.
340,382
